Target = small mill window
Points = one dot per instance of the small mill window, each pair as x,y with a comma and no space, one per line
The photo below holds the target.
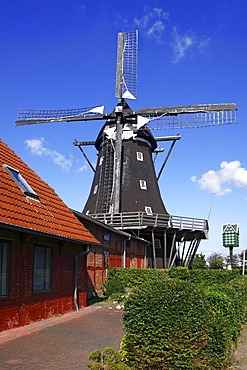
143,184
95,189
139,156
148,210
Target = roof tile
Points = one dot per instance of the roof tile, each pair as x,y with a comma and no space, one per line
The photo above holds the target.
48,214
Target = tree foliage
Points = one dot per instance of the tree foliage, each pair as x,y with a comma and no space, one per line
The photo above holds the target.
235,261
216,261
199,261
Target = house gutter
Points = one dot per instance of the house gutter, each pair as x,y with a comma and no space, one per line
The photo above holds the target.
75,277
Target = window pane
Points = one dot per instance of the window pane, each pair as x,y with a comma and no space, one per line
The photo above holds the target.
42,269
3,268
21,182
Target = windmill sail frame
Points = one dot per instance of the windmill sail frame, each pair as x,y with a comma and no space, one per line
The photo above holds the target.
127,59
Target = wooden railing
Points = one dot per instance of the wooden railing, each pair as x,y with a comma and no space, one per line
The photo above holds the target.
135,220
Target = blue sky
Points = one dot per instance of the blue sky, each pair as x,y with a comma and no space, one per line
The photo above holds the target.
62,54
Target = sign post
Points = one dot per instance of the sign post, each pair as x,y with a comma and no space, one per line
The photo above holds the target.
230,235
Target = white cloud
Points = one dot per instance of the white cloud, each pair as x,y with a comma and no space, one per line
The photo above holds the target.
181,43
157,24
230,174
82,169
203,44
38,147
156,31
153,23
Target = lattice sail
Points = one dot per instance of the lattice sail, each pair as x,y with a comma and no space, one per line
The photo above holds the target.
191,116
27,116
127,58
193,120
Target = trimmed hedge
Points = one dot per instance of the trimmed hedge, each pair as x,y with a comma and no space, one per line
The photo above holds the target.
180,319
119,278
133,277
167,326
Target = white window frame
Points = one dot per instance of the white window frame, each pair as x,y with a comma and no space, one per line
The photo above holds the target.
143,184
20,181
139,156
148,210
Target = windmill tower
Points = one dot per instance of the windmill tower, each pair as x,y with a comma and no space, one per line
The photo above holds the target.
125,191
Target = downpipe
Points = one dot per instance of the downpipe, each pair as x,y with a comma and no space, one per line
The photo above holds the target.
124,251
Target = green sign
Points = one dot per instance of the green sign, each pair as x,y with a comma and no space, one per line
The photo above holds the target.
230,235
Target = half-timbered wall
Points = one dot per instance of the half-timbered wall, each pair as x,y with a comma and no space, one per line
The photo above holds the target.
116,250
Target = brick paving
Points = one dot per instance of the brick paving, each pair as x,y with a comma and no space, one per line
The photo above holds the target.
61,342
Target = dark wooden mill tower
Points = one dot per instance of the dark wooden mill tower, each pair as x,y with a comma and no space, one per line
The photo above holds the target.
125,192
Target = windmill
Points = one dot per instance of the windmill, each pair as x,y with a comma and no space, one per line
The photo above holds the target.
125,192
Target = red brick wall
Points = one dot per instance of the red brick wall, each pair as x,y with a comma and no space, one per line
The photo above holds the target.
96,267
23,306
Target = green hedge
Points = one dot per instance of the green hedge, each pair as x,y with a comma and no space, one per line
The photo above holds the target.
180,319
119,278
133,277
167,326
176,324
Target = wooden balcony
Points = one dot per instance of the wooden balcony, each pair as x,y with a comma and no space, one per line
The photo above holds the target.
142,220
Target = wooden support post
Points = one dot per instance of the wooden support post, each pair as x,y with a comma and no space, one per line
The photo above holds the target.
190,249
165,250
182,257
172,248
154,252
174,257
194,251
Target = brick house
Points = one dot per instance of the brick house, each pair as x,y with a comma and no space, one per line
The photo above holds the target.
118,249
43,248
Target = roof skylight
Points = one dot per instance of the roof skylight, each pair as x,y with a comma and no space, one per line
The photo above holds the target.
21,182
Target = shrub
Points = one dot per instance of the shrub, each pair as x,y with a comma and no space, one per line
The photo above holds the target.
179,318
166,326
119,278
113,288
227,307
109,359
210,277
179,273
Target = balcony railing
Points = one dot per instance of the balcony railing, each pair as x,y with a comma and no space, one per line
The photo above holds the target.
138,220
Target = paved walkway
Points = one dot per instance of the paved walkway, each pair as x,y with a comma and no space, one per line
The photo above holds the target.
239,357
61,342
65,342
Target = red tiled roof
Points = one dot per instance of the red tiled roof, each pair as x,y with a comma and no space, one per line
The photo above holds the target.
48,215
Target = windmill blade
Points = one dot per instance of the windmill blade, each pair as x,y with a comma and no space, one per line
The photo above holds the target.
126,75
31,116
189,116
